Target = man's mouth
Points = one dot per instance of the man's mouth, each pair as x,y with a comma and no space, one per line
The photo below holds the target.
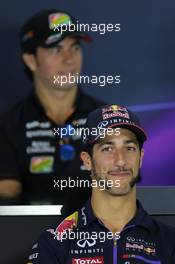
115,173
67,73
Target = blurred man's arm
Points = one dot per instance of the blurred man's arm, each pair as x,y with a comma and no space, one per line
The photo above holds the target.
10,188
10,178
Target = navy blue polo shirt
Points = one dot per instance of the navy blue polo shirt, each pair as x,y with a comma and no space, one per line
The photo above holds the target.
30,151
81,238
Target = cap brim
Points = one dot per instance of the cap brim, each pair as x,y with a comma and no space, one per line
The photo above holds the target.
141,134
82,35
85,37
137,130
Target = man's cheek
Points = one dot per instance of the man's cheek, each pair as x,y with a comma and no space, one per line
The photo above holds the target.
100,167
104,170
135,171
44,70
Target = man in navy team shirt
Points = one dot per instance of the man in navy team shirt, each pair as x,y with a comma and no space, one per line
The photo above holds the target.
112,227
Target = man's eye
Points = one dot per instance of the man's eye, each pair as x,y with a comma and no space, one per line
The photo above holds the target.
54,50
76,46
131,148
107,149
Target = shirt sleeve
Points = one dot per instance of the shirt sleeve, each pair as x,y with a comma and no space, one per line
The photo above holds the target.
9,168
43,253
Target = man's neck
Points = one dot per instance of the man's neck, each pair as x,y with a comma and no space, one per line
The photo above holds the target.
58,104
114,211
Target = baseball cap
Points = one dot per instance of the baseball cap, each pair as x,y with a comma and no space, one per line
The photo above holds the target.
111,116
47,28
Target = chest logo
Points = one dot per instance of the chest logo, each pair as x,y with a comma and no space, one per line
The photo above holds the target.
86,242
41,164
94,260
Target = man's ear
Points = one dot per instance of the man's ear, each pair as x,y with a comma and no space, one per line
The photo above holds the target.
30,61
86,158
141,156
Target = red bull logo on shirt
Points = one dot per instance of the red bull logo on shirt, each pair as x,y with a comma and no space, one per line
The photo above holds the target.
67,224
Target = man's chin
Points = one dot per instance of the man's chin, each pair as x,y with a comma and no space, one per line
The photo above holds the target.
63,88
121,191
124,188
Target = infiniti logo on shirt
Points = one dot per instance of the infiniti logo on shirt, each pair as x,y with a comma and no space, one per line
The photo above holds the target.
86,242
130,239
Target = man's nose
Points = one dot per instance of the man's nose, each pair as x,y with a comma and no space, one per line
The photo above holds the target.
119,158
68,57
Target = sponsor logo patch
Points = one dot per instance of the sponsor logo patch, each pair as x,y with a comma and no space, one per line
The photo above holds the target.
114,114
149,250
33,256
40,147
58,19
137,244
28,36
67,224
35,246
115,111
114,108
53,38
86,242
94,260
87,251
143,259
41,164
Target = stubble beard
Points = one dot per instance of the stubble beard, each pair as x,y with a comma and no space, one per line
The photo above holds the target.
116,191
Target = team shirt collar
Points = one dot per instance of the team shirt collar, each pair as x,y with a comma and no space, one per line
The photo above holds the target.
142,219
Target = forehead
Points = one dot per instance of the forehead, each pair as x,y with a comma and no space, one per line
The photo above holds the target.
124,136
69,40
66,43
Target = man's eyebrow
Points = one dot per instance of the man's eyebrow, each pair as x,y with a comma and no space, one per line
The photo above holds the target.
109,142
133,141
105,142
76,41
59,45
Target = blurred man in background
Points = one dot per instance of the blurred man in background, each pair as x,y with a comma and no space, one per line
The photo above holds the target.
34,158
